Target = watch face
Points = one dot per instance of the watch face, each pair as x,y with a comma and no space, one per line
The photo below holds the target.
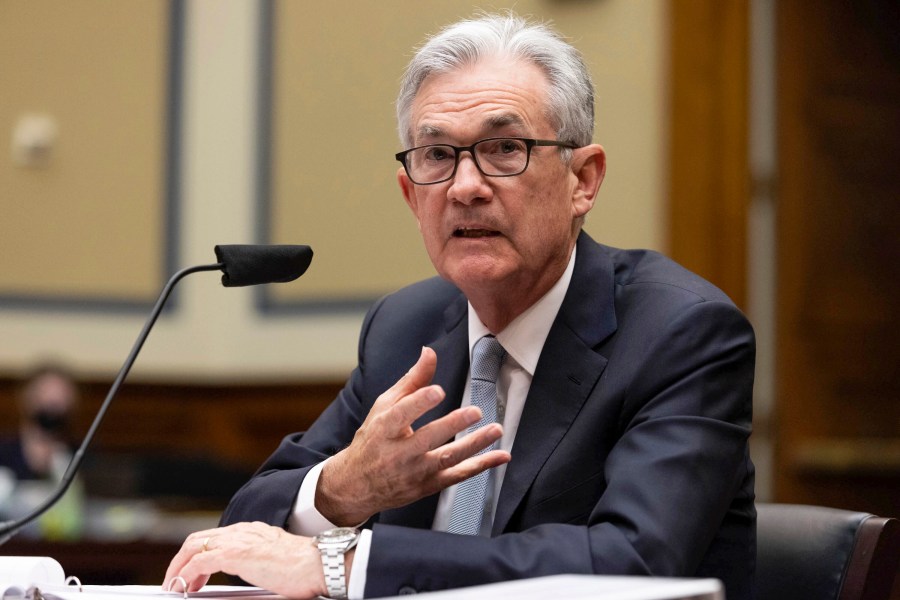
336,536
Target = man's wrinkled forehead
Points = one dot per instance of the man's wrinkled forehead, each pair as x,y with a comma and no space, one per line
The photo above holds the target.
495,123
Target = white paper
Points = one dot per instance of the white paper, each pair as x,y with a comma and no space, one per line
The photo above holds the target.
132,592
30,570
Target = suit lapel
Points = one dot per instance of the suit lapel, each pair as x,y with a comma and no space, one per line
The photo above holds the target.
452,351
567,372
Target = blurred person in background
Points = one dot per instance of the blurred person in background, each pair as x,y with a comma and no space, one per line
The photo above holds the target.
46,402
33,461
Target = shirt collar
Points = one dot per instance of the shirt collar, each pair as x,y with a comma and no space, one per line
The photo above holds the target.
523,339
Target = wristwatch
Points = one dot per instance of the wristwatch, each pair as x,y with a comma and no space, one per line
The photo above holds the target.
333,544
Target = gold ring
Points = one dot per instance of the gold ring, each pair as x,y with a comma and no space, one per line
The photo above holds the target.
205,542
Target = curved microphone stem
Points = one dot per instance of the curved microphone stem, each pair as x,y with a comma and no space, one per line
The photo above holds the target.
10,528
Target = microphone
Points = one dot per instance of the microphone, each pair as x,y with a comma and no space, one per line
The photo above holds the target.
242,265
252,265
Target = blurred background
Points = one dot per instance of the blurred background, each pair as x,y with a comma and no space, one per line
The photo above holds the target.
755,141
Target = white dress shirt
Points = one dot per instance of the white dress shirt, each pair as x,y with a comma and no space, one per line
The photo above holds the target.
523,339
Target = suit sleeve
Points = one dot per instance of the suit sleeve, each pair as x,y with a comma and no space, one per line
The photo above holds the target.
674,479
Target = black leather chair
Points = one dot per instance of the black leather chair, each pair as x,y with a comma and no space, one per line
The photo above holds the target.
817,553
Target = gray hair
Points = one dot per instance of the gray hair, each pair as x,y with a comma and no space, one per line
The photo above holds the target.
570,92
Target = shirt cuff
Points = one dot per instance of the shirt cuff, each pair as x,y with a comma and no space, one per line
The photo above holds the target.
305,520
356,585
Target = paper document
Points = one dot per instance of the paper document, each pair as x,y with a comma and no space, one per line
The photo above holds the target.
28,570
128,592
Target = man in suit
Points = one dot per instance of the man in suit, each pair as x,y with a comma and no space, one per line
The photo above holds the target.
621,410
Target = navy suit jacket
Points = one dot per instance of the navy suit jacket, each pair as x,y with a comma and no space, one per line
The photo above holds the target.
631,456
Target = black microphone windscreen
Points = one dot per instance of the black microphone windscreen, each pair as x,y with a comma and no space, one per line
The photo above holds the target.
245,264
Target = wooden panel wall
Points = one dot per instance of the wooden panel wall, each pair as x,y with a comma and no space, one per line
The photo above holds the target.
708,168
839,254
837,421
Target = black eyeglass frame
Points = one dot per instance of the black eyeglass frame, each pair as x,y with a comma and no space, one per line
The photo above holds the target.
458,150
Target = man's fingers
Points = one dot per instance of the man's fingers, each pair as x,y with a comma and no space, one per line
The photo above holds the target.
192,545
437,432
418,376
453,453
409,408
190,572
440,430
198,570
472,466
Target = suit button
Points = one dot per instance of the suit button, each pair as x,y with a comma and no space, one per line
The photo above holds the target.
407,590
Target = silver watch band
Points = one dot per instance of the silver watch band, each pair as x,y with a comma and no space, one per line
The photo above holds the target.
333,544
335,573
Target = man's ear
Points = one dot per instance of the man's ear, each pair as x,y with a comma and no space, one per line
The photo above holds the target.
409,192
589,167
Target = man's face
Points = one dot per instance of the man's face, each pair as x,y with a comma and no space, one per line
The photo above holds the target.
494,235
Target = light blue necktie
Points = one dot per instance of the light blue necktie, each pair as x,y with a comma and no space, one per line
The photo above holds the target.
468,505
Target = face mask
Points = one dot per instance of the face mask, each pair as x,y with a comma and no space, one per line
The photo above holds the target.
51,422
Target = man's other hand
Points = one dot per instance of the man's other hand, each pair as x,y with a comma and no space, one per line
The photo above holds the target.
262,555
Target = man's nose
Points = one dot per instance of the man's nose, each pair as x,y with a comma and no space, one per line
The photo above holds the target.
469,183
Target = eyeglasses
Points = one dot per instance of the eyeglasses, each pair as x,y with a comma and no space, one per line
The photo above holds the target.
494,157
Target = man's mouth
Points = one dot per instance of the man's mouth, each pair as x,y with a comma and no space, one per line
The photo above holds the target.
465,232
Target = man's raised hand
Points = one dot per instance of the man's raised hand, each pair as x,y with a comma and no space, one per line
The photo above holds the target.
389,465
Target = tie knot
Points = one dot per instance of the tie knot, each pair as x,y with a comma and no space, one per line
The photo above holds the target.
487,356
